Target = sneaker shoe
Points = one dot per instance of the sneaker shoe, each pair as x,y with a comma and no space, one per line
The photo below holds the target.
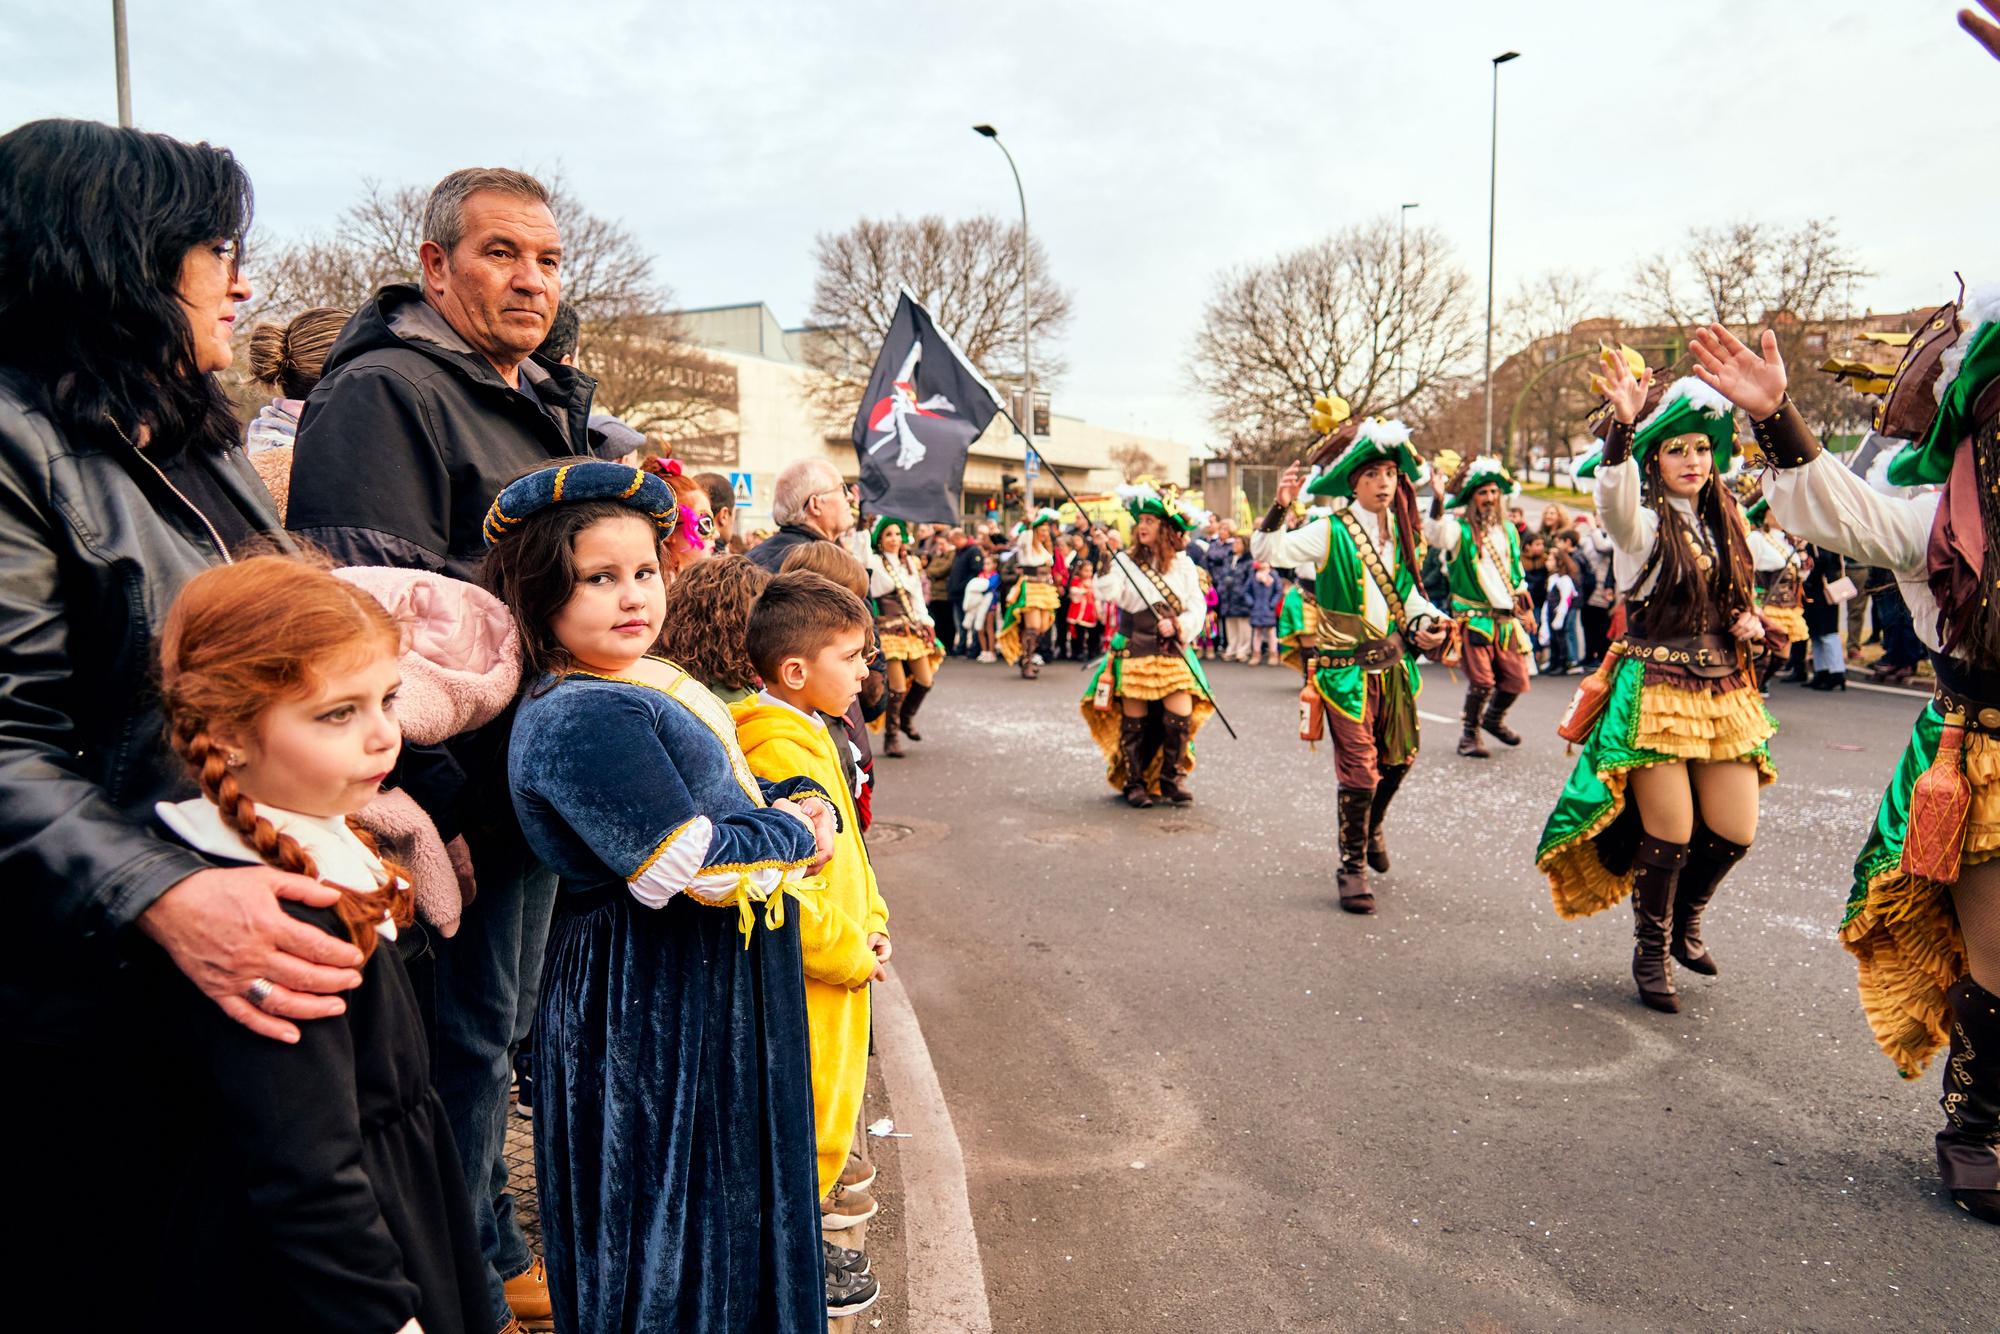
528,1293
1040,661
859,1174
844,1208
849,1294
842,1259
987,657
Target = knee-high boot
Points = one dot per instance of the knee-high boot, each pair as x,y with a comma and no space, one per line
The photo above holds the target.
1385,792
1468,741
911,703
1132,746
1798,667
1495,719
1968,1148
1354,805
1174,758
892,713
1655,867
1710,857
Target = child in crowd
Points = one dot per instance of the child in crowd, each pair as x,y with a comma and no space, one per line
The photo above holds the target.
982,595
1211,641
1265,594
332,1198
673,1107
1084,619
1557,608
701,630
832,562
809,638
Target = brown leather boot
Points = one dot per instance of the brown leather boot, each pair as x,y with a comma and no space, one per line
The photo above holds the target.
1710,857
1655,867
1174,758
911,703
1496,712
1352,879
1469,744
1968,1148
892,710
1132,745
1385,792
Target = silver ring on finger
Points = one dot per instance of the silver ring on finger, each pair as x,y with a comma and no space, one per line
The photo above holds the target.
259,991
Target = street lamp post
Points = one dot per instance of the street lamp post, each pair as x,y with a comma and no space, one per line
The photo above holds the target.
1027,326
1492,201
1402,326
122,60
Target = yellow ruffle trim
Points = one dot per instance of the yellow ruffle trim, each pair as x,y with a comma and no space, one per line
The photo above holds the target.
1789,619
1041,597
1699,724
1154,677
1905,940
911,648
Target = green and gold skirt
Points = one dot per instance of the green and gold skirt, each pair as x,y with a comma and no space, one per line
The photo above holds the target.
1655,715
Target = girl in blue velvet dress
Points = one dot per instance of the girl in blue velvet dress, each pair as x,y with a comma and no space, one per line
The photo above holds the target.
674,1142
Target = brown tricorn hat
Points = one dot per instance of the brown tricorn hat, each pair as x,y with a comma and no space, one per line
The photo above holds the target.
1907,410
1334,443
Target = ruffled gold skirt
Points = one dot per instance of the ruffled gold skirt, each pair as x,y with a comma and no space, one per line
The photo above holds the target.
1147,678
912,648
1789,619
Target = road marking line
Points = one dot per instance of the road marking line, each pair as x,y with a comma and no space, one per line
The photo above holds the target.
1437,717
1890,690
946,1285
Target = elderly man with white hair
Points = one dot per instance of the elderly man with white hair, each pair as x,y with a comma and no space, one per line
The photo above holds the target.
810,504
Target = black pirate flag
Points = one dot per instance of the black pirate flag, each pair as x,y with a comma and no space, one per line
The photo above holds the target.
924,407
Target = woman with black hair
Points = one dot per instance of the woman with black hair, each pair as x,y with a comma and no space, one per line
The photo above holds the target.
1663,800
119,480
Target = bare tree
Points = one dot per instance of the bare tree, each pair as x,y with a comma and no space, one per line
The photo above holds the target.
1542,319
1133,461
967,274
646,370
1750,275
1367,314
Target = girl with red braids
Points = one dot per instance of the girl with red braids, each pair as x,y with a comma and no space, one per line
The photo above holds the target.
333,1199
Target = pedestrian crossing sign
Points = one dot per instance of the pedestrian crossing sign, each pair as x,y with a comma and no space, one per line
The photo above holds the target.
740,483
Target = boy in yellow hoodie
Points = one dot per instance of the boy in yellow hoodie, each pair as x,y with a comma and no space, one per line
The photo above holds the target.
809,640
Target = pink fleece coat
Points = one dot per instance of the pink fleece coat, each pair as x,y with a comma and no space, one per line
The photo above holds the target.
461,666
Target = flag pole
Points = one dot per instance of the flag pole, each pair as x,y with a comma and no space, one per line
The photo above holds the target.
1029,442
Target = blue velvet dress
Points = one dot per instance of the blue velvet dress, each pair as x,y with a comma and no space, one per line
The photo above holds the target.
674,1145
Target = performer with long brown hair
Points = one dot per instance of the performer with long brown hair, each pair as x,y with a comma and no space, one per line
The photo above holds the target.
1148,696
1032,609
911,653
1663,800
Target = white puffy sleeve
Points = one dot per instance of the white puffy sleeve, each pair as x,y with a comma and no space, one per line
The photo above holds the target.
1299,546
1185,581
1631,526
1829,506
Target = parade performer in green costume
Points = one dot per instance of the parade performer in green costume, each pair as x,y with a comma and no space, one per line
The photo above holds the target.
1923,908
1368,556
1489,594
908,638
1663,800
1032,610
1147,697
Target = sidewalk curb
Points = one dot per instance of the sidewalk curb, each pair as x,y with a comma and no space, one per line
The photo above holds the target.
946,1283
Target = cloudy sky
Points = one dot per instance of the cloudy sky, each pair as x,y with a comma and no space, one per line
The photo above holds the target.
1160,143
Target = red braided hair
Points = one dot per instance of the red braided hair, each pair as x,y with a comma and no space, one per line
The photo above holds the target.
241,638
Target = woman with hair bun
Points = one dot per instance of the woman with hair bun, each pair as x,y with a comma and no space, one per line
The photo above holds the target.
286,358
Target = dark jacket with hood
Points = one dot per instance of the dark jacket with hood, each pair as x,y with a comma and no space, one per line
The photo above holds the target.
771,552
410,434
402,447
95,542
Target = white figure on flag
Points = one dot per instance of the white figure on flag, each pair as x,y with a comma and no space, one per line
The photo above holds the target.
891,414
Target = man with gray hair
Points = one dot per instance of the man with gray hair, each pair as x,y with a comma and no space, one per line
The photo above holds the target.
809,503
431,402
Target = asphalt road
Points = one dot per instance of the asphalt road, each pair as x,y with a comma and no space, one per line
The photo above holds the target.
1193,1094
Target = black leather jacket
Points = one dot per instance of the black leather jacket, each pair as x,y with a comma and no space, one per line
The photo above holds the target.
94,544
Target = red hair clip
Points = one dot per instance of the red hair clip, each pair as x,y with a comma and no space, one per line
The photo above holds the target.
664,467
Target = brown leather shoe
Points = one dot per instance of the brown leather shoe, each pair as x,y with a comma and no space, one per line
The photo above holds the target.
1390,778
844,1208
528,1294
891,722
859,1174
1352,880
1469,744
1655,868
1174,758
1132,748
1495,720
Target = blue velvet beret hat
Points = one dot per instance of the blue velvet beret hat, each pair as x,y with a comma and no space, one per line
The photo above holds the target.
566,482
